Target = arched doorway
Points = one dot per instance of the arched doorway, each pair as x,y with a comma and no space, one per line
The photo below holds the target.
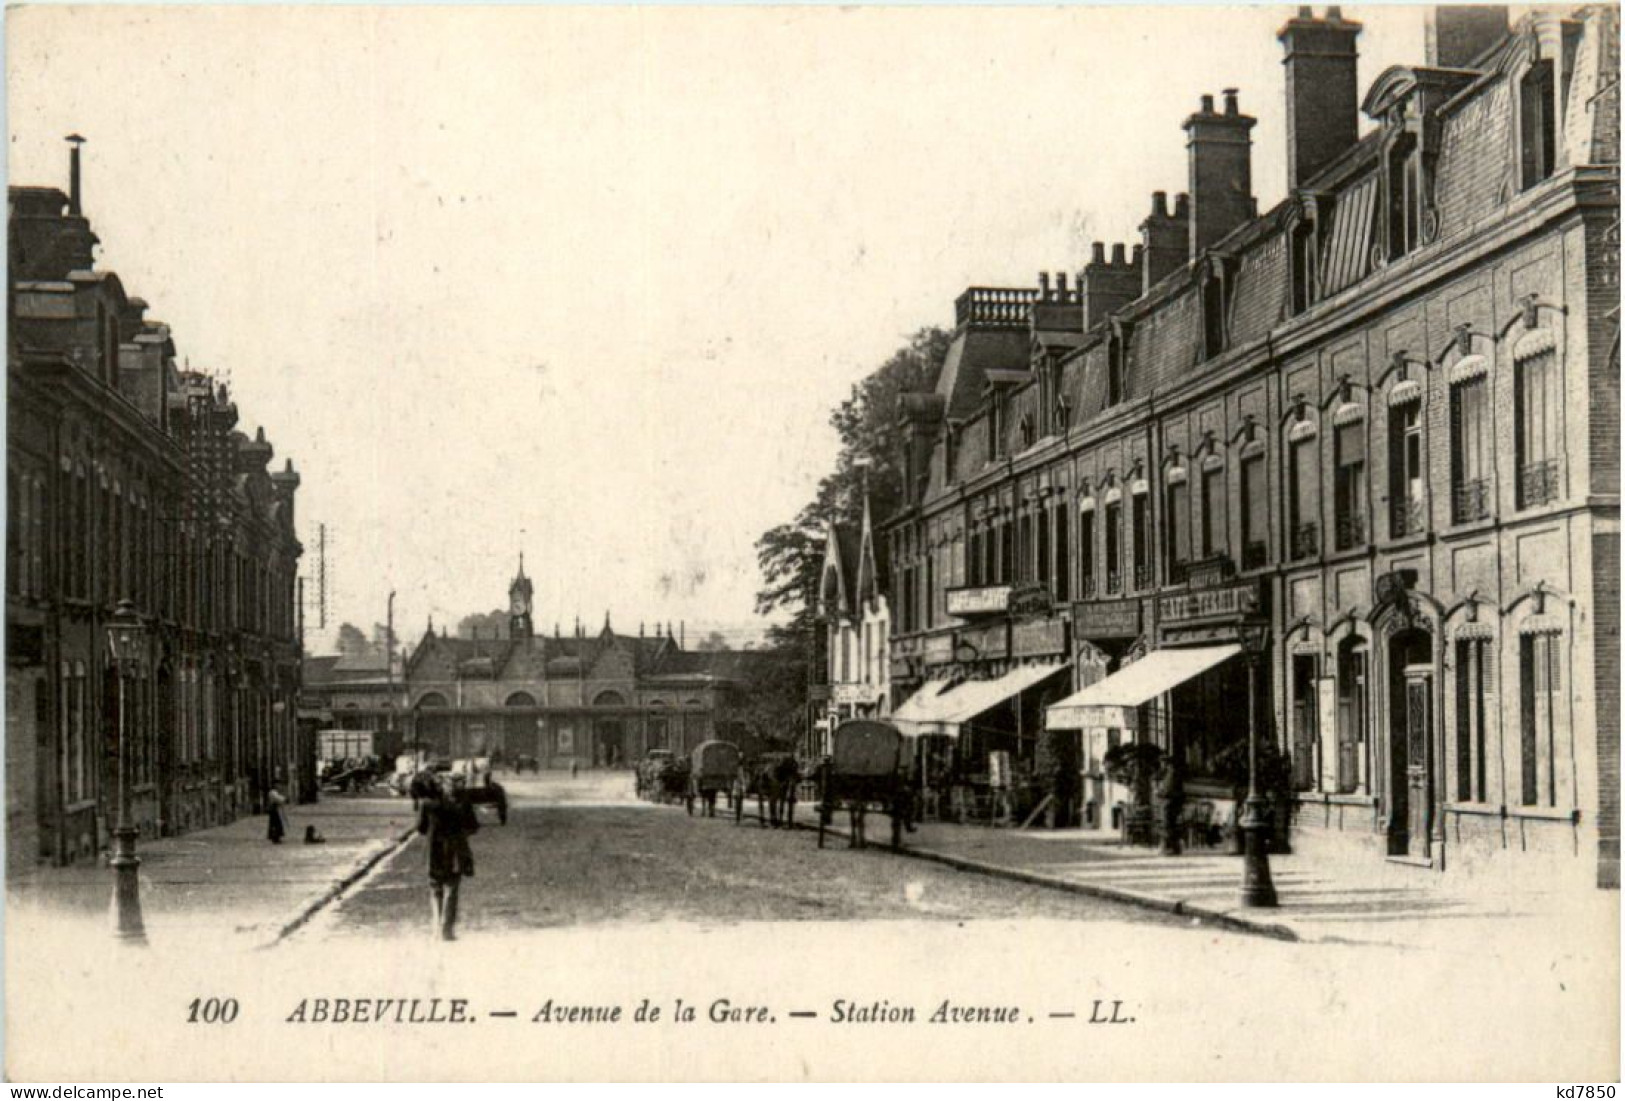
519,730
609,733
1411,732
433,727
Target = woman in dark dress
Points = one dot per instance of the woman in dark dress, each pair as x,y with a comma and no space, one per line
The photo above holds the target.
446,819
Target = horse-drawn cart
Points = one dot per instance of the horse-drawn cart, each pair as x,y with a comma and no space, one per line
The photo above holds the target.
772,778
713,768
867,770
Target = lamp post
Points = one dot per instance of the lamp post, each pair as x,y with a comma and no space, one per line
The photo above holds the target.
126,636
1257,888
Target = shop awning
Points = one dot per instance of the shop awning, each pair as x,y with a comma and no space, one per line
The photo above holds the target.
1112,702
952,709
919,707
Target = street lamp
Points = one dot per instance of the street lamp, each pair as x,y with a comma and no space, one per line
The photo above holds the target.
1257,888
126,638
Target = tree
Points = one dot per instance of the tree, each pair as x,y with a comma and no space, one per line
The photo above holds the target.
712,642
352,641
492,624
791,555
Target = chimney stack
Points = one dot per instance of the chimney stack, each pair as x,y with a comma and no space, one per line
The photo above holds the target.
1108,286
1164,240
1455,35
1322,91
74,207
1221,171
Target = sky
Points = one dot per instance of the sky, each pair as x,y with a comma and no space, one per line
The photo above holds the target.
588,281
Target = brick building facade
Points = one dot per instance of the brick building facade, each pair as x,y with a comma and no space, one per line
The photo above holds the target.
127,478
1382,416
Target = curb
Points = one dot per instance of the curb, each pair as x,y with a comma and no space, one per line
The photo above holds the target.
1096,890
315,905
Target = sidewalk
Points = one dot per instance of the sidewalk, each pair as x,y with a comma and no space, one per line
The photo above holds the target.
231,881
1325,897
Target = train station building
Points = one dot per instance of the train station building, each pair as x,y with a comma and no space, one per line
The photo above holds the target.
1381,418
590,698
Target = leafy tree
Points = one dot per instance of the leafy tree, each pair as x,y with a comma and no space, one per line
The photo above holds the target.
791,555
352,641
492,624
712,642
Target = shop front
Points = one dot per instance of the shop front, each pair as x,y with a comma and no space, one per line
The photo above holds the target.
1187,696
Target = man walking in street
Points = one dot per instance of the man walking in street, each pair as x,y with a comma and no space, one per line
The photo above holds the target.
446,819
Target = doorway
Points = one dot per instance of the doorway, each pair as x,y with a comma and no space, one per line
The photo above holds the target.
1410,743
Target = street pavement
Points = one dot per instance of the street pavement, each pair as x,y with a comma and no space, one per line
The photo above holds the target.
228,884
584,851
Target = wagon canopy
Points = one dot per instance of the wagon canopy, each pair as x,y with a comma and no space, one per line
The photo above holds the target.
866,748
716,758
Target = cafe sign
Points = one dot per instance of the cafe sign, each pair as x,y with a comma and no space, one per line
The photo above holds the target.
1106,619
987,600
1225,602
1039,638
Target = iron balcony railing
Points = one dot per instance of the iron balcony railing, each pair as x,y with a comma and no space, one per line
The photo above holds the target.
1350,532
1178,573
1254,555
1408,517
1305,541
1537,483
1471,500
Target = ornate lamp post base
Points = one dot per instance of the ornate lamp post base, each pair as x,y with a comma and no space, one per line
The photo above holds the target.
1257,888
127,923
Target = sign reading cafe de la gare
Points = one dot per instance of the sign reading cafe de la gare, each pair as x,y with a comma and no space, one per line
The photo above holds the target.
987,600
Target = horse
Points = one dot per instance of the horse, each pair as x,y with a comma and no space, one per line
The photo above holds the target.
776,779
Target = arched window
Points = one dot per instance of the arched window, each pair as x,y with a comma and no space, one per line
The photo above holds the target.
1535,417
520,699
609,699
1470,442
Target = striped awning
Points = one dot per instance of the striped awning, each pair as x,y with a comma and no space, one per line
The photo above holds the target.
1468,368
1401,392
1534,342
1348,413
1348,245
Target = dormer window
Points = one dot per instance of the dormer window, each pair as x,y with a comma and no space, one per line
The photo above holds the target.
1116,365
995,426
1537,125
1215,290
1305,260
1404,197
1063,414
1029,432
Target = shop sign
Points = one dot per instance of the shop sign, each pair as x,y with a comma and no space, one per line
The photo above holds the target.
1038,638
818,693
853,694
1031,600
902,669
939,650
1240,599
988,600
988,642
1106,619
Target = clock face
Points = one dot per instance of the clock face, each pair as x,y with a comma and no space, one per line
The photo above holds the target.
518,605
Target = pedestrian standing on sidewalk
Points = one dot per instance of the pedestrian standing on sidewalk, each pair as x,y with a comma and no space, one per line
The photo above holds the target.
276,816
446,819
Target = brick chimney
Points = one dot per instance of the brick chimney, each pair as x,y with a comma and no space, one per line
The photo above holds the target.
1456,34
1322,91
1221,175
1109,285
1056,308
1164,239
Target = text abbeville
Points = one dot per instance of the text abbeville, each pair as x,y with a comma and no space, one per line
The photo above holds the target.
365,1011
